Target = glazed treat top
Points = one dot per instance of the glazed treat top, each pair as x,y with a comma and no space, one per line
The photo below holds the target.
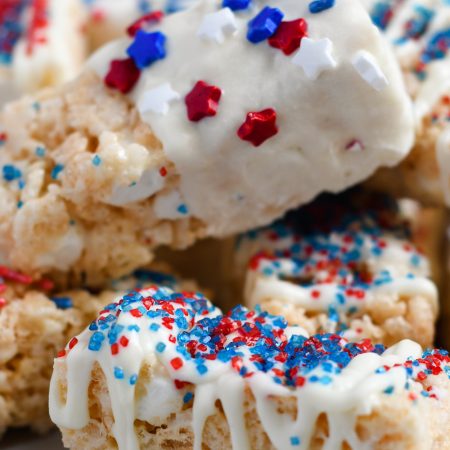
420,34
208,356
229,91
337,254
38,44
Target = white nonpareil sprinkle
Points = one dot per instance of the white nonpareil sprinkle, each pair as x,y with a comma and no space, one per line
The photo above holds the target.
367,67
314,57
215,25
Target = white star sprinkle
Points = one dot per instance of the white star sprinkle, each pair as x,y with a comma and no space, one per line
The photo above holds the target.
314,57
157,99
366,65
215,25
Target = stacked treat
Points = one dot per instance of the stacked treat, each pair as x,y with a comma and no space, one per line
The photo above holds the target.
228,121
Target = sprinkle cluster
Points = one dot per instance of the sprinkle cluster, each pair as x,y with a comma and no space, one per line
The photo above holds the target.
418,29
247,341
202,101
8,275
329,244
13,26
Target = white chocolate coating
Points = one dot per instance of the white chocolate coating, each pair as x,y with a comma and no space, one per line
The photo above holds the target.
222,176
341,394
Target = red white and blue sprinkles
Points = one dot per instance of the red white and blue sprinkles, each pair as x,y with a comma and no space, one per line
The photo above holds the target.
199,347
336,256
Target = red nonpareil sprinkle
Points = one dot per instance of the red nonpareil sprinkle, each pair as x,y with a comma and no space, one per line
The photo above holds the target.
124,341
72,343
259,126
176,363
114,348
144,21
123,75
421,376
202,101
163,171
136,313
315,294
61,354
45,284
12,275
355,145
98,15
180,384
38,24
289,35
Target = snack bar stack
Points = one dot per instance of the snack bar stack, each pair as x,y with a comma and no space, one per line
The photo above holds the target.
42,43
419,33
344,264
190,377
36,321
152,145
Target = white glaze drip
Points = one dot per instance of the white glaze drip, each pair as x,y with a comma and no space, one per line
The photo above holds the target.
352,392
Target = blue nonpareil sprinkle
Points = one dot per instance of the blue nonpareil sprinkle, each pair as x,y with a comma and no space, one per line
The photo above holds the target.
182,209
264,24
118,373
415,260
160,347
154,326
318,6
96,341
133,379
11,172
295,440
188,397
40,151
56,171
96,160
62,302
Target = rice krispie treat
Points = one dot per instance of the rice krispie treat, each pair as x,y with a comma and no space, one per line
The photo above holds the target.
41,44
190,151
167,370
108,19
344,264
420,34
35,323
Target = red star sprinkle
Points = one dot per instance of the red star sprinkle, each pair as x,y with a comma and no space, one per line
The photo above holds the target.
123,75
289,35
148,19
259,126
202,101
